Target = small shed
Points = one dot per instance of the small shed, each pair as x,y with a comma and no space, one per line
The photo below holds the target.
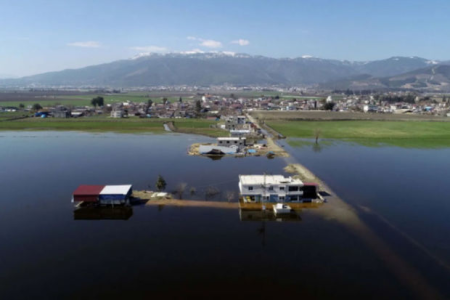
87,193
62,112
115,194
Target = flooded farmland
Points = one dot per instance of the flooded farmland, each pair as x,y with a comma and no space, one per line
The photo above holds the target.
164,251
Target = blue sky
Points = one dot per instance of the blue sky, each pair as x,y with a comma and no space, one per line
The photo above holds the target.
38,36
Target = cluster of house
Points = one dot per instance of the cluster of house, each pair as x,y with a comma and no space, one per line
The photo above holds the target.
178,109
368,104
61,111
398,108
214,105
355,103
239,130
8,109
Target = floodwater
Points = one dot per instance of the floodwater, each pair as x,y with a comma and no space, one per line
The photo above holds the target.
177,252
401,193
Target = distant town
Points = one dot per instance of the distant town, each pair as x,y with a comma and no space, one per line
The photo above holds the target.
211,103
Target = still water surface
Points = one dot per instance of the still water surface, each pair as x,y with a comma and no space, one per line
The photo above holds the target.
180,252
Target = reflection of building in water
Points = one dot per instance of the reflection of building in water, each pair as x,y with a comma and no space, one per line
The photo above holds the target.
103,213
268,215
214,157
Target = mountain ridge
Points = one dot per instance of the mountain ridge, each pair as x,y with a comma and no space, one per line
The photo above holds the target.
218,68
433,78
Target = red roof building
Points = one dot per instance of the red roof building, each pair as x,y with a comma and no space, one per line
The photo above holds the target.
87,193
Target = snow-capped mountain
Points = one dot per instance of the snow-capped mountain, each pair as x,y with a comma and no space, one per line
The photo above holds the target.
211,68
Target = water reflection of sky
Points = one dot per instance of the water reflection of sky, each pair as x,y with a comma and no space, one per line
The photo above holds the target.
178,251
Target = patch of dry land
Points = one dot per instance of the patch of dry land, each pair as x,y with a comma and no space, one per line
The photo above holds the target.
302,173
194,203
194,149
151,198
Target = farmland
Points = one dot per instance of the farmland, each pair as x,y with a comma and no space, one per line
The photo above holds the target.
320,115
372,133
76,99
106,124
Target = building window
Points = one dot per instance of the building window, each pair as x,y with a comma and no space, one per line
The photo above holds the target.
270,188
281,198
250,188
281,188
228,142
293,189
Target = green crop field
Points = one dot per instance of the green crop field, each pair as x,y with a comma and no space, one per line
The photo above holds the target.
85,100
398,133
11,115
106,124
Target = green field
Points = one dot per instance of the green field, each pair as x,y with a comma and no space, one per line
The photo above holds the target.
106,124
301,97
372,133
11,115
85,100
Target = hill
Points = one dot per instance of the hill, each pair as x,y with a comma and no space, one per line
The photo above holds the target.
205,69
433,78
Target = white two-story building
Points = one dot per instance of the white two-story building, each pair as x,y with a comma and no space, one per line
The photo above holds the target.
229,141
270,188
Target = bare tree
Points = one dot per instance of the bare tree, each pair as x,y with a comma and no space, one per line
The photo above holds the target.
317,133
180,190
230,195
211,192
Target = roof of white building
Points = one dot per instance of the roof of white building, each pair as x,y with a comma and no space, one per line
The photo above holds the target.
230,138
268,179
116,189
240,131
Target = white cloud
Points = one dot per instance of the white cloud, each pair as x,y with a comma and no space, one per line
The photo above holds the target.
89,44
150,49
241,42
211,44
206,43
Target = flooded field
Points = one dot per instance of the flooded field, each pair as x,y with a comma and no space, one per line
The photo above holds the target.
180,251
